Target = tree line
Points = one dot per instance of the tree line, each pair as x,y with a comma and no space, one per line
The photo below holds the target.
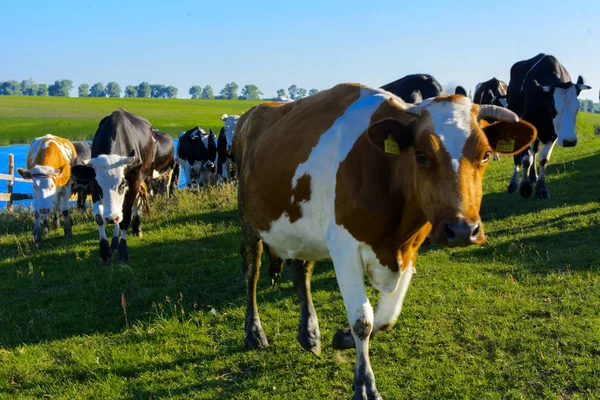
62,88
589,106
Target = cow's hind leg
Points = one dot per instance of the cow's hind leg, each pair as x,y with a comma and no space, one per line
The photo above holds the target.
541,191
513,186
251,252
526,187
309,335
275,264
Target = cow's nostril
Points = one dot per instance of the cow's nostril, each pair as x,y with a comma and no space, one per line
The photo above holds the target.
450,234
475,231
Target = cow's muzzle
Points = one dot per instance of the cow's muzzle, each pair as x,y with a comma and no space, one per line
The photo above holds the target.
569,142
112,219
462,233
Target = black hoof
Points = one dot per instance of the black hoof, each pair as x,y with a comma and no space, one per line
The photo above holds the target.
343,340
542,194
68,234
114,243
309,336
123,252
526,189
256,338
105,252
513,187
363,392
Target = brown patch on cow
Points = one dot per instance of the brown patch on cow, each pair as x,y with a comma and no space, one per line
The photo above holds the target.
454,98
300,193
271,141
49,154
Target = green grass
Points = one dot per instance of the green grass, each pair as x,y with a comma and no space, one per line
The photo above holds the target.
25,118
516,318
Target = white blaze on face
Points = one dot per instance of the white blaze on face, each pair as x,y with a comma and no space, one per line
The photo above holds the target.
229,122
567,106
110,176
44,187
452,124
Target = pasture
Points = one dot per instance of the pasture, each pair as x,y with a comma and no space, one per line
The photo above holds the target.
25,118
516,318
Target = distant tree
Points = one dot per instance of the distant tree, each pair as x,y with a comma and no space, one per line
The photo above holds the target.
143,89
300,93
280,92
207,93
170,92
158,91
113,89
313,91
292,92
590,106
10,88
42,90
130,91
229,92
98,90
28,87
251,92
195,91
84,90
60,88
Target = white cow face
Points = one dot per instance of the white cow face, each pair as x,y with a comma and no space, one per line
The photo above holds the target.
229,121
44,186
110,176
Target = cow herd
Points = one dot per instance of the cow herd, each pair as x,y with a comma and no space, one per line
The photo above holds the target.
354,174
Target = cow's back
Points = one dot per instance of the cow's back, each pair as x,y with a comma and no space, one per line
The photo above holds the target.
55,152
426,84
273,139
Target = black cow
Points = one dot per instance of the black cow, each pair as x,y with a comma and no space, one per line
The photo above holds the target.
541,92
81,186
491,92
225,158
164,162
122,154
416,88
197,152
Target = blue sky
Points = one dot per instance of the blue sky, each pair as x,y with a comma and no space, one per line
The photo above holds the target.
276,44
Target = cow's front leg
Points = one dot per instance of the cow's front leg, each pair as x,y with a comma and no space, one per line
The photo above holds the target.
136,229
533,175
105,250
45,223
541,191
128,202
350,276
309,335
513,186
64,210
526,187
37,229
114,243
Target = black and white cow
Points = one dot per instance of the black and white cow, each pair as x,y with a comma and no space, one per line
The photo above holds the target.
197,152
122,154
225,157
416,87
163,162
81,186
491,92
541,92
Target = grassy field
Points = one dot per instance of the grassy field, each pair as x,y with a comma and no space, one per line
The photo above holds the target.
516,318
25,118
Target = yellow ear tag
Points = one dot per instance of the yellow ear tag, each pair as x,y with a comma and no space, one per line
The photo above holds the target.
390,146
505,146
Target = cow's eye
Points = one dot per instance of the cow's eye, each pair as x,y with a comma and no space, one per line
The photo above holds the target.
122,186
421,158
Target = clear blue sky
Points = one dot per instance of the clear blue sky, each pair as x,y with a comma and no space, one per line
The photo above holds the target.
276,44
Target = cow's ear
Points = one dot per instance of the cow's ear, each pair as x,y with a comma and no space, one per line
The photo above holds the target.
83,172
24,173
391,135
508,138
460,91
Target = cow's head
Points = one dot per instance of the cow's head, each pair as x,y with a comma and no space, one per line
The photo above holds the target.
561,101
229,121
109,174
449,144
46,181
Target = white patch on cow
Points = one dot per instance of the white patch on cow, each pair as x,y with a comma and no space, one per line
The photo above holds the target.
452,124
567,106
315,234
99,210
110,171
545,154
156,174
229,121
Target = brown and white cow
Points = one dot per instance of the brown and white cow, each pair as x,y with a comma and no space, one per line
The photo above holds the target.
49,162
362,178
